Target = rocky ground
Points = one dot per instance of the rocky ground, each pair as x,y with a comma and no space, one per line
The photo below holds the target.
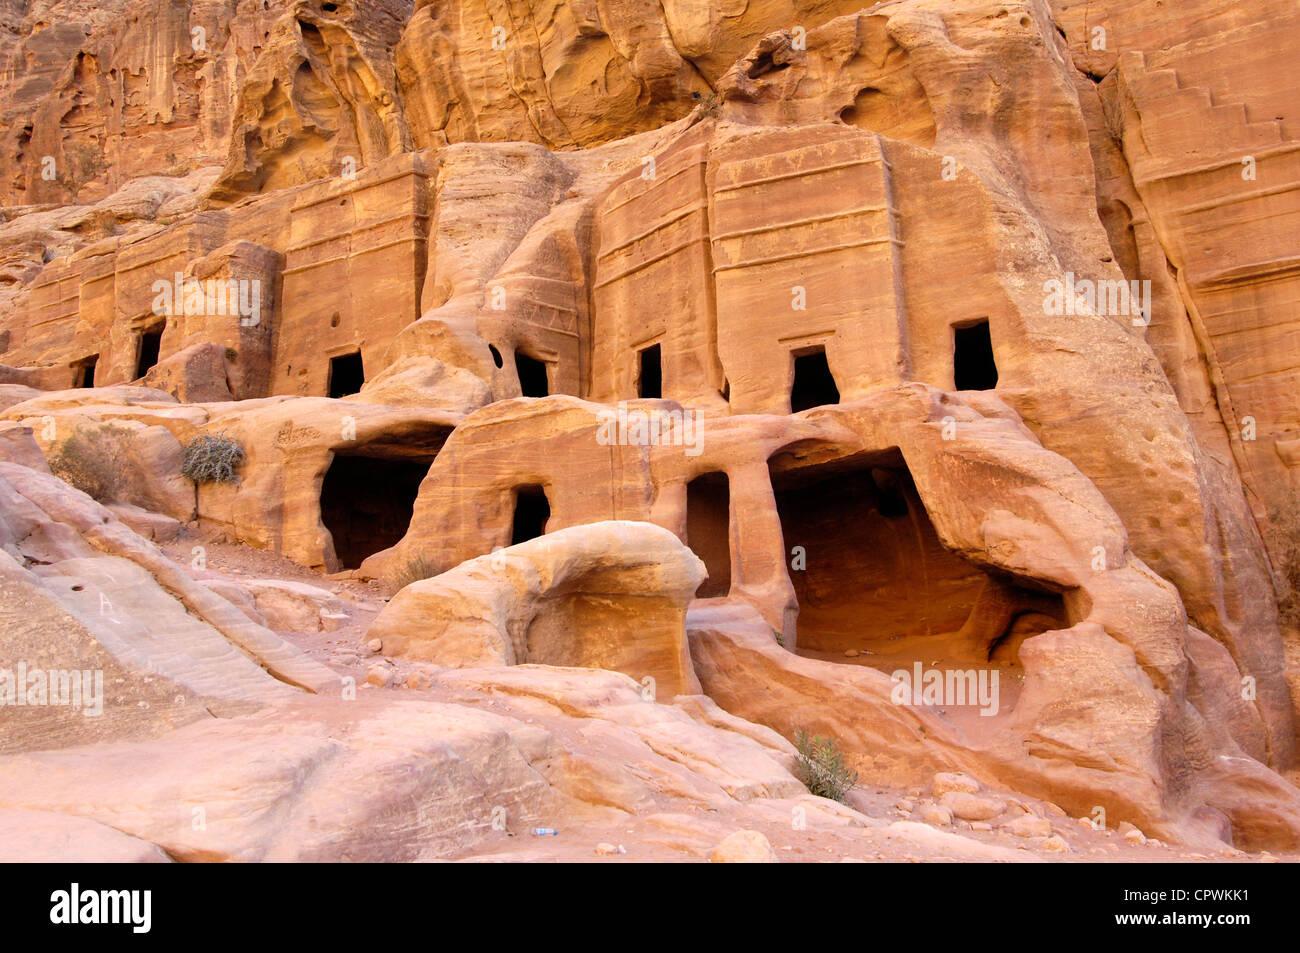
372,566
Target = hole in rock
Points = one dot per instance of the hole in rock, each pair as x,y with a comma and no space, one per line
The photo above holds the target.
84,373
150,347
973,366
765,63
650,380
876,581
346,374
366,503
496,356
708,530
532,510
532,375
814,385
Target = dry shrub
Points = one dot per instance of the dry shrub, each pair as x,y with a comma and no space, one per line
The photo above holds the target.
95,460
212,458
413,570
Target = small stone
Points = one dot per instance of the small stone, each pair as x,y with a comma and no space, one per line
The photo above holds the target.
605,848
379,676
937,816
851,653
375,645
1135,836
743,847
906,805
1056,844
1267,858
970,807
332,621
981,826
1026,825
947,781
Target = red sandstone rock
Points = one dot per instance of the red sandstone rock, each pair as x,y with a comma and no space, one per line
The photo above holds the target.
623,291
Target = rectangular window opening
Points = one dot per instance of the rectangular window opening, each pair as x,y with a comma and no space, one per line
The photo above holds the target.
346,374
650,379
973,366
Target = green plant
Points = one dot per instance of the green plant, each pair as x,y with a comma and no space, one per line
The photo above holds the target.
413,570
94,460
212,458
820,766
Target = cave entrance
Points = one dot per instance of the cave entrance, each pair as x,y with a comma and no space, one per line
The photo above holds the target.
83,372
346,374
149,350
532,510
368,495
874,584
532,375
973,365
650,380
814,384
708,530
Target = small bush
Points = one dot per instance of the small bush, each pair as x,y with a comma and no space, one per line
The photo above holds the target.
94,460
212,458
820,766
413,570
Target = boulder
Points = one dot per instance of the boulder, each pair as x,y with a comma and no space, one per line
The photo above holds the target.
607,595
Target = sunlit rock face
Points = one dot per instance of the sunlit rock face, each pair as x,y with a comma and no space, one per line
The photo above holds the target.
688,375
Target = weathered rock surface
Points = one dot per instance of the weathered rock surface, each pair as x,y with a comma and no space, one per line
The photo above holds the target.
725,348
609,595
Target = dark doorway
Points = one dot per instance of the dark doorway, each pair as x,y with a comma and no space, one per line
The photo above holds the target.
346,374
532,375
814,385
150,348
84,372
708,530
496,356
872,568
532,510
366,503
650,380
973,367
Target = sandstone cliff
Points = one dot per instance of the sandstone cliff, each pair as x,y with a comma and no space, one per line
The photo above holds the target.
690,369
